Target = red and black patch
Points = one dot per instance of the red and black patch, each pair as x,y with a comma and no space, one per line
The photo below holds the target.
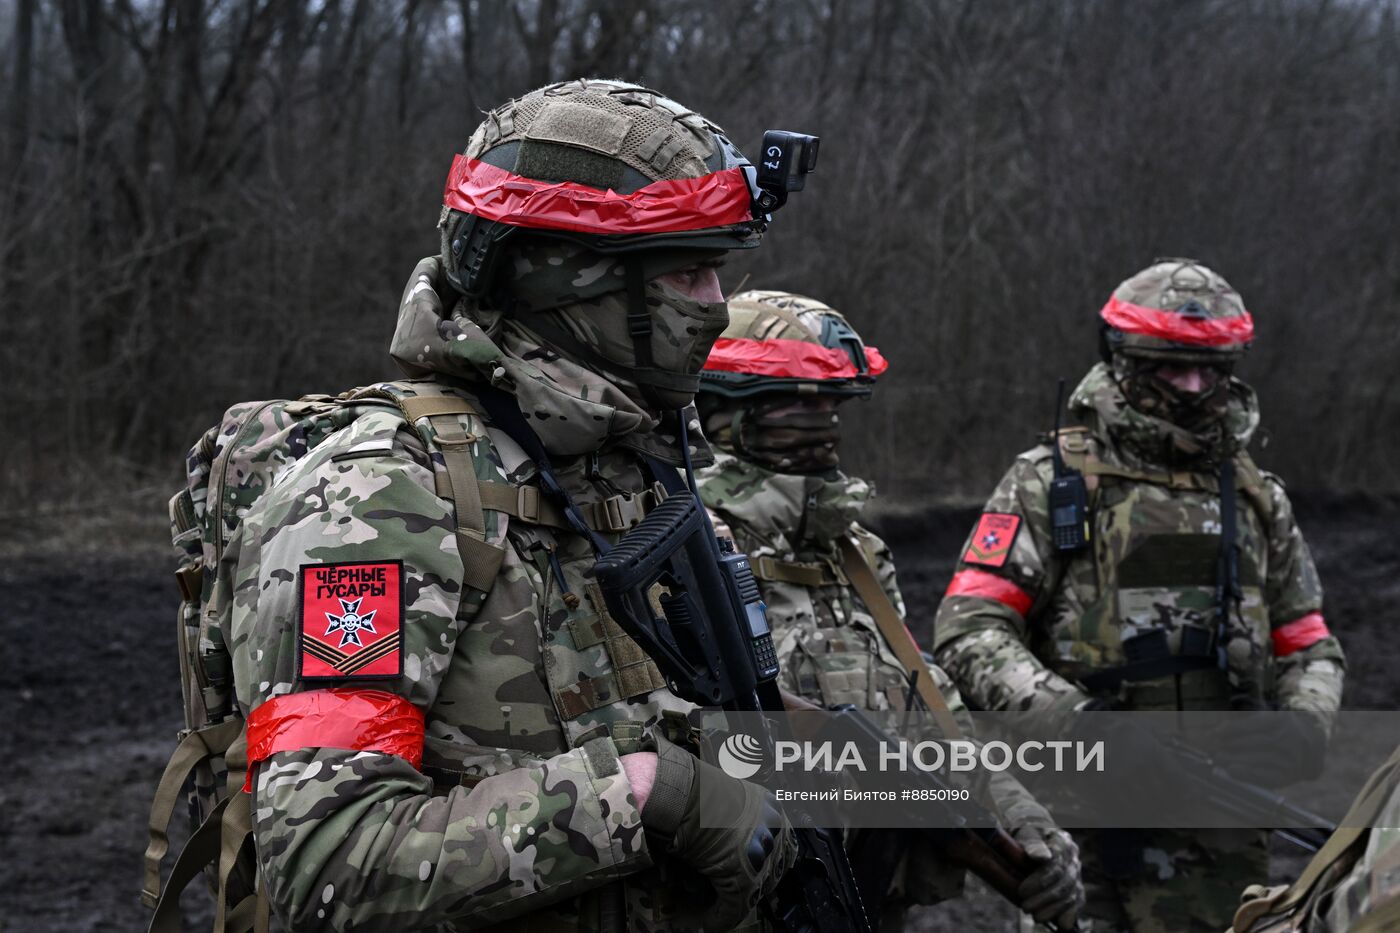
991,542
351,621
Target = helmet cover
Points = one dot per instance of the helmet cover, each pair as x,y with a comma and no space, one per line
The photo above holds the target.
615,167
1177,310
779,341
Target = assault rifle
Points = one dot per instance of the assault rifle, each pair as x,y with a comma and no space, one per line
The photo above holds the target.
713,645
1251,802
965,831
712,642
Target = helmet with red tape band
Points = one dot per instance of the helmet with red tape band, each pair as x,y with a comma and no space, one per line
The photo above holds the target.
1177,311
614,167
779,341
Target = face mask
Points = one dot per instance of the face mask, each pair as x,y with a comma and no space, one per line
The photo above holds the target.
682,333
784,435
1148,392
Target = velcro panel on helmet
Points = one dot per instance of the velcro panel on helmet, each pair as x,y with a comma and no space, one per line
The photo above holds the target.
571,124
658,149
552,162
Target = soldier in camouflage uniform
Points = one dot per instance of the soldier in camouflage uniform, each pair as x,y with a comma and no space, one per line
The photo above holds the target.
1352,885
579,234
768,400
1039,618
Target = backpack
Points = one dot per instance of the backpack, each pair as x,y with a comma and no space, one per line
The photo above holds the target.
233,464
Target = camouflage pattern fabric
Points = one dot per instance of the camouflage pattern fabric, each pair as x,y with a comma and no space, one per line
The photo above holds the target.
1373,884
1352,883
1079,607
530,691
828,643
1186,287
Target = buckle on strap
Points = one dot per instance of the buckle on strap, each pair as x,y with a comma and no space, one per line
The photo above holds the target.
527,504
611,513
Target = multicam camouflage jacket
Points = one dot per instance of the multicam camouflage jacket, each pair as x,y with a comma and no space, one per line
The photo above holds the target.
529,690
1026,626
828,643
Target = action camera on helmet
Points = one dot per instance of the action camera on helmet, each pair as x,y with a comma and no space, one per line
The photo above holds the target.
787,160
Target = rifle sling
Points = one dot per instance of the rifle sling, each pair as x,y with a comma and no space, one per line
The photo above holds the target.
891,625
1352,830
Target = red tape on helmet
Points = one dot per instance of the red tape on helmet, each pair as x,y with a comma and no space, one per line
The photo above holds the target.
1179,328
982,585
719,199
788,359
358,720
1303,632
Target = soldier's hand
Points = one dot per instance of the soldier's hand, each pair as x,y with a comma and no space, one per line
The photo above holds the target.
1055,890
742,860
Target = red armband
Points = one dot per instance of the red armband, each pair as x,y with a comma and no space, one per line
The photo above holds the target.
349,718
1303,632
985,585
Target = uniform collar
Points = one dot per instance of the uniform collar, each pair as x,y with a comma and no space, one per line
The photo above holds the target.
573,409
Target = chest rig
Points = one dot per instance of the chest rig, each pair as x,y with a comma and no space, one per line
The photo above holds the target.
1147,612
827,640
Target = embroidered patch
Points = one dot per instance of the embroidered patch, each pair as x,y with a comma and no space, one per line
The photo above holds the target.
351,621
991,542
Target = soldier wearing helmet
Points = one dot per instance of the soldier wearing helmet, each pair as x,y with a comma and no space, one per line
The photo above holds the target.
1167,572
529,759
769,399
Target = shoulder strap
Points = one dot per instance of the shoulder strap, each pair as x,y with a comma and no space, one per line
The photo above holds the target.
773,570
891,625
1351,831
198,745
1078,454
1250,480
457,480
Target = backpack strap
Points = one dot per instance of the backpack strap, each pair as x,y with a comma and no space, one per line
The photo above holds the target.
197,746
891,625
456,479
799,573
1077,449
201,849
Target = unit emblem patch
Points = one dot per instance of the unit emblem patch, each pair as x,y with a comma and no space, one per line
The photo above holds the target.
991,542
351,621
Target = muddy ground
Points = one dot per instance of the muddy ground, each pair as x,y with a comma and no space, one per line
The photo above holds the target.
89,695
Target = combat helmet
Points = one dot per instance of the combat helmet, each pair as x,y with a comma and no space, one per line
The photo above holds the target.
592,188
1178,311
613,166
778,341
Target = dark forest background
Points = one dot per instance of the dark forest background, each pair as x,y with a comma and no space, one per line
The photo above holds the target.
203,201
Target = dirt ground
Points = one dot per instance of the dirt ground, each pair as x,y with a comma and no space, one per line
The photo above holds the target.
89,695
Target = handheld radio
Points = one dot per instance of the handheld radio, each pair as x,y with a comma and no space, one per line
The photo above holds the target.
1069,496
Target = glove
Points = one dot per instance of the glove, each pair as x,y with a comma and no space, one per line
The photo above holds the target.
743,861
1054,891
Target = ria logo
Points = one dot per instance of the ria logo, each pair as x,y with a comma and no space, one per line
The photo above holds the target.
740,756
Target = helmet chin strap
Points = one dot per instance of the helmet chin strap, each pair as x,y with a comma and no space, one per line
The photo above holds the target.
638,317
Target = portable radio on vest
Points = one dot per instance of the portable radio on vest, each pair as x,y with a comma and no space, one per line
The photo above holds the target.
1069,497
